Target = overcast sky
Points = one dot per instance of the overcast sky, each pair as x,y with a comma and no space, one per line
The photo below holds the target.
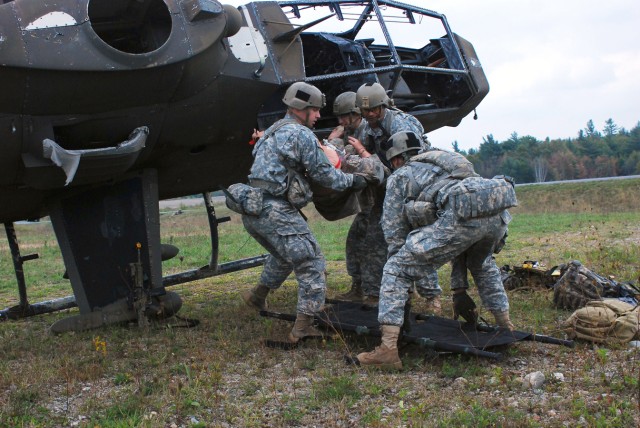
552,65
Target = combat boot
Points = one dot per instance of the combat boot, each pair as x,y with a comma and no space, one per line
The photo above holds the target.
433,306
502,319
355,294
370,301
257,297
303,328
386,355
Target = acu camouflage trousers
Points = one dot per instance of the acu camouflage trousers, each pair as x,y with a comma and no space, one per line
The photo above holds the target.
366,248
429,247
366,254
282,231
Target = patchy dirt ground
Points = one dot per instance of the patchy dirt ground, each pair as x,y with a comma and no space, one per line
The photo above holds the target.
219,374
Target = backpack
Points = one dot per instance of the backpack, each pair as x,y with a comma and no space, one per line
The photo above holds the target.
455,164
578,285
608,320
476,197
530,275
449,168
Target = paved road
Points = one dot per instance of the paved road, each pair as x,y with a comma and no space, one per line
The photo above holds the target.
625,177
187,202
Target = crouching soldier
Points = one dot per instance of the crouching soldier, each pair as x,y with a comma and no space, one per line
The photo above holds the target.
285,158
429,219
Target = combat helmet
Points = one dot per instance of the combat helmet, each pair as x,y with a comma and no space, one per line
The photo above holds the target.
401,143
345,103
372,95
301,95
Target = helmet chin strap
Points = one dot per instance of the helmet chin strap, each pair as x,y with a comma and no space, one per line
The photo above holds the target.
303,119
352,122
306,119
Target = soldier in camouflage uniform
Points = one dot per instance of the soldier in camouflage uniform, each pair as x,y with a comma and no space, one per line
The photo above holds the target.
426,248
382,121
351,129
285,156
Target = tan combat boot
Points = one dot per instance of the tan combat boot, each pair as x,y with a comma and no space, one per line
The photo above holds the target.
257,297
502,319
303,328
355,294
434,306
386,355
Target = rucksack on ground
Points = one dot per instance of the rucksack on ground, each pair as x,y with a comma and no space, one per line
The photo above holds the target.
578,285
604,321
529,276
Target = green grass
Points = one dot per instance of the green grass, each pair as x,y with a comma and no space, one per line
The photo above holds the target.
609,196
337,389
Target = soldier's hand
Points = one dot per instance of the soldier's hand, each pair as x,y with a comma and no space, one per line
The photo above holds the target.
337,132
257,134
359,147
359,182
465,307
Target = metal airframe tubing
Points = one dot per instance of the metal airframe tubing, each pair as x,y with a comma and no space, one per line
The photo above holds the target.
377,70
397,68
395,58
456,48
17,263
392,3
385,32
205,272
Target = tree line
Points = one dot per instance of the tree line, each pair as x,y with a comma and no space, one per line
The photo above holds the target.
614,151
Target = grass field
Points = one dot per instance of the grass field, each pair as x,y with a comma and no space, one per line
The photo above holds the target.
220,375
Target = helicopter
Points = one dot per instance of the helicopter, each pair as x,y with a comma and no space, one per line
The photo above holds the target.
110,106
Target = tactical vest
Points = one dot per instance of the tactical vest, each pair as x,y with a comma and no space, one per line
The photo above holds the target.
455,185
424,201
297,192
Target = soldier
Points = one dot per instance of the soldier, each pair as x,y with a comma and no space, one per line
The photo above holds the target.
284,157
381,122
351,130
424,249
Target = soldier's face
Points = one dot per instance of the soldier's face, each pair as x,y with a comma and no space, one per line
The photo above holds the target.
349,121
397,162
307,117
313,114
373,115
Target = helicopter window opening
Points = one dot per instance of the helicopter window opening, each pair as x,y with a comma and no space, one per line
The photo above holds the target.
402,25
338,52
131,26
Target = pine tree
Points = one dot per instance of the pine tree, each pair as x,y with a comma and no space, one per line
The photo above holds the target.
610,128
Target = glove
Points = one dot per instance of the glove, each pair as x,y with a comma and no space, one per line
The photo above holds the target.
465,307
359,182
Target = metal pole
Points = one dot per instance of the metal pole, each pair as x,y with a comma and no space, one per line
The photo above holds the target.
17,263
